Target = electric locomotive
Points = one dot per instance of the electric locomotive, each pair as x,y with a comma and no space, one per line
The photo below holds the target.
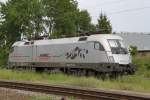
94,54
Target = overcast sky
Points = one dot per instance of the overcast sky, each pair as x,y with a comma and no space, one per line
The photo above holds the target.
125,15
136,19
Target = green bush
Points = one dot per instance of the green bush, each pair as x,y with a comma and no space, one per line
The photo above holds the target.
133,50
143,65
3,57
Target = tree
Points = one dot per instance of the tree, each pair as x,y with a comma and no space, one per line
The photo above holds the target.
104,24
63,15
50,17
133,50
84,22
2,40
21,17
92,27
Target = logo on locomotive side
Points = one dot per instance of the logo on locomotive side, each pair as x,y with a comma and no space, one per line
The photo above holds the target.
77,52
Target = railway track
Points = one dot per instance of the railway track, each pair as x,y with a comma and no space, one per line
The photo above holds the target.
82,93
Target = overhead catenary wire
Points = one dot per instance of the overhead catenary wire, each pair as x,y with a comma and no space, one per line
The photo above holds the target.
111,2
126,11
108,3
121,11
130,10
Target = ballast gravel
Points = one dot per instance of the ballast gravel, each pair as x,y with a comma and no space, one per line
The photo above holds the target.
12,94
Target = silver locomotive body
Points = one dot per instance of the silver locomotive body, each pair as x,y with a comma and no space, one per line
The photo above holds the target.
99,53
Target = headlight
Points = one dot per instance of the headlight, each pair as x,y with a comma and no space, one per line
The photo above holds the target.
111,59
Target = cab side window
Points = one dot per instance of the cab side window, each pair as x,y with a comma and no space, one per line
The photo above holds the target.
98,46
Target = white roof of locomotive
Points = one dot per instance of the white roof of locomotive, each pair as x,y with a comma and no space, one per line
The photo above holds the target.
98,37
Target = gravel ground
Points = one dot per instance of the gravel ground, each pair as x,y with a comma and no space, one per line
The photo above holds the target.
12,94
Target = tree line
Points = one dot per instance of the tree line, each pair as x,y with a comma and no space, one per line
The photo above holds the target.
49,17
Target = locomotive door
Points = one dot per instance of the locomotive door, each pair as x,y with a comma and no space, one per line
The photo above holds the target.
32,47
34,53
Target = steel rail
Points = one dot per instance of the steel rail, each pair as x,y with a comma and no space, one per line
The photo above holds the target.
82,93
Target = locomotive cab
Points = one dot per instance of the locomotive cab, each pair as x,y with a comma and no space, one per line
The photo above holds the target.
119,52
121,55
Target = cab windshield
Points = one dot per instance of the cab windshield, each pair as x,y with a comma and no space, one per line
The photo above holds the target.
117,46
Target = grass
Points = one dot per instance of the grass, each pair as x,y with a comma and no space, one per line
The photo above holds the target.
140,82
